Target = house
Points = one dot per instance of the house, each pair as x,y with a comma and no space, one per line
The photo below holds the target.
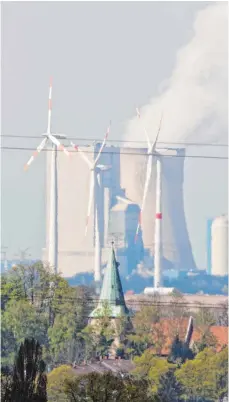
219,333
116,366
164,332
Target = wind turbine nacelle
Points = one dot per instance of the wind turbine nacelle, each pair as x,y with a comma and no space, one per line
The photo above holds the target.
103,167
59,136
166,152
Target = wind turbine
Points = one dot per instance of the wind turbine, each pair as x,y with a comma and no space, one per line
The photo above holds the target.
54,140
155,153
94,192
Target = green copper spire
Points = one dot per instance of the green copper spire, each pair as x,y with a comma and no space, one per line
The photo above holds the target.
111,297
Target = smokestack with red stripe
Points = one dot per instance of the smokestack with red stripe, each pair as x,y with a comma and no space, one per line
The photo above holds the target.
158,230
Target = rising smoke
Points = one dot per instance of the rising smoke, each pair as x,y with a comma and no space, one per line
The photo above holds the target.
194,103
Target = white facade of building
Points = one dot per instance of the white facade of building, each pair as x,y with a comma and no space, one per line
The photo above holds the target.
219,246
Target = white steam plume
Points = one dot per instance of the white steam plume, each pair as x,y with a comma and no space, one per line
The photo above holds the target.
194,104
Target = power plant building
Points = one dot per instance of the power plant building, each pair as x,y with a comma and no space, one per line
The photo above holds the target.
120,197
209,246
219,246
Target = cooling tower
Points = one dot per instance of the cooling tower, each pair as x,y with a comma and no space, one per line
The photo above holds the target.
176,243
125,179
75,250
219,246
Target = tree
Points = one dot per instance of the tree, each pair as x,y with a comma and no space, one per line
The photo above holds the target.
97,341
150,367
177,307
102,323
70,341
101,332
222,316
176,353
69,319
62,333
6,387
169,389
136,390
120,352
25,291
95,387
137,344
56,382
221,368
145,317
204,319
31,282
89,342
159,337
19,320
205,376
23,321
28,380
180,352
11,288
143,328
104,344
207,339
40,304
107,387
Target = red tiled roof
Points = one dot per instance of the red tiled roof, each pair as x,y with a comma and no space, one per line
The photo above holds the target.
164,332
221,334
218,332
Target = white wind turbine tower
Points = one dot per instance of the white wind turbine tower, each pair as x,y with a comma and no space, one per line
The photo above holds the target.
155,153
53,213
94,193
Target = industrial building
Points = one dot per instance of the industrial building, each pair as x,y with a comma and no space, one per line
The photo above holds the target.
120,196
219,246
209,245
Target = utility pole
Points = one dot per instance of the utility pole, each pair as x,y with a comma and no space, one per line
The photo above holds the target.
23,254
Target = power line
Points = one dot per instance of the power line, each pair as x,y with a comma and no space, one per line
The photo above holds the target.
134,302
98,140
121,153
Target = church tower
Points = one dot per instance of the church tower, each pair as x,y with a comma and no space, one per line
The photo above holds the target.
112,303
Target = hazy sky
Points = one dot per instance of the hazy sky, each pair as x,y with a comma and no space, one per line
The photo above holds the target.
104,58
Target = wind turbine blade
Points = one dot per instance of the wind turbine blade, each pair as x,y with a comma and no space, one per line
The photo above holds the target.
103,144
145,131
158,132
49,107
147,181
82,154
91,194
58,144
38,150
